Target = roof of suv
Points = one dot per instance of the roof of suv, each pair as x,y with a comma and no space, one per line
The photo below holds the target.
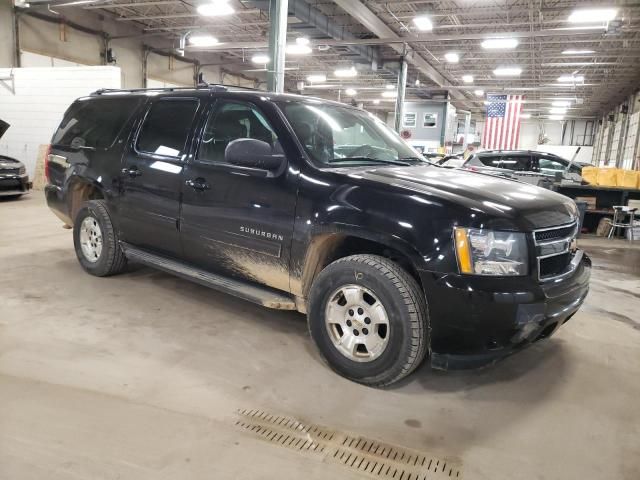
211,89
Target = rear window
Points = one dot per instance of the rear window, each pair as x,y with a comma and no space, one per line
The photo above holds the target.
95,122
166,127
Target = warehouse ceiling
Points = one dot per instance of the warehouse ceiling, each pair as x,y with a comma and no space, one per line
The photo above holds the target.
599,57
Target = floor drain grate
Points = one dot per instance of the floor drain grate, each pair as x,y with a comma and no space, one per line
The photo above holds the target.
365,456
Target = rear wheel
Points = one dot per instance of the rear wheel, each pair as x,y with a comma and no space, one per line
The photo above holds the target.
369,319
95,240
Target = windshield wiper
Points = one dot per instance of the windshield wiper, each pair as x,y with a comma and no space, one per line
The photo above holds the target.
369,160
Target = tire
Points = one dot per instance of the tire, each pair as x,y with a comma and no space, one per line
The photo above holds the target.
109,258
393,351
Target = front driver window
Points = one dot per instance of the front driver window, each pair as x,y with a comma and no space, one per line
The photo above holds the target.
230,121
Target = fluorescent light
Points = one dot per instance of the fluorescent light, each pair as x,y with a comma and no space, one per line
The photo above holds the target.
525,115
389,94
390,86
452,57
351,92
486,102
478,93
302,41
556,117
297,49
317,78
260,58
423,23
499,43
571,79
376,102
577,52
593,15
558,111
345,72
560,103
467,78
202,40
507,71
215,9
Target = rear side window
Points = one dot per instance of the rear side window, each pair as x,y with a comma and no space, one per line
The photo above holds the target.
95,122
489,160
516,162
166,127
547,165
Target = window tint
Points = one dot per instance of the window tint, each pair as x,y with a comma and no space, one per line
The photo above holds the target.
515,162
230,121
547,165
95,122
166,127
489,160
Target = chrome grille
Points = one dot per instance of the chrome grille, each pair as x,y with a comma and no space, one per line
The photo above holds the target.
553,250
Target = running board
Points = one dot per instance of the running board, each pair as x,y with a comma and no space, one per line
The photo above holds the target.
264,296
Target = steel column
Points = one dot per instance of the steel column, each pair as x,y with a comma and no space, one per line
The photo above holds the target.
402,88
278,12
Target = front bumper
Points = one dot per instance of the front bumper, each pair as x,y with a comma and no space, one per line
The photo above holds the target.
14,184
476,321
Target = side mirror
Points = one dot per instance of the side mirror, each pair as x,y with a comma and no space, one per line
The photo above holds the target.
249,152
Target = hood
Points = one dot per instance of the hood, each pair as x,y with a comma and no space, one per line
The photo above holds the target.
4,126
521,205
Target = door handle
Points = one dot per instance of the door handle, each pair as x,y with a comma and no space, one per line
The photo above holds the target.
131,171
199,184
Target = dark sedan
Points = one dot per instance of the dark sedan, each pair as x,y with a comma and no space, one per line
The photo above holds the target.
14,180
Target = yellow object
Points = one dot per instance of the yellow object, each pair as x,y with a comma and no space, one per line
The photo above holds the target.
463,250
590,175
608,177
628,178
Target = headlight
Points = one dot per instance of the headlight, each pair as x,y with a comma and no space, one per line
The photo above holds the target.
487,252
22,170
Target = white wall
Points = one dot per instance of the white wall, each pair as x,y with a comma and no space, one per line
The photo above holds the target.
34,112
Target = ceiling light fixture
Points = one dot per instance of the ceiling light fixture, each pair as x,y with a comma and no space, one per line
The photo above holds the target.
571,79
556,117
467,78
558,111
577,52
389,94
390,86
215,8
478,93
317,78
499,43
260,58
351,92
376,102
452,57
525,115
423,23
202,40
560,103
593,15
507,71
346,72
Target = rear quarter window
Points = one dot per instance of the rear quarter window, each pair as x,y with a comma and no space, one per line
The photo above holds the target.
95,122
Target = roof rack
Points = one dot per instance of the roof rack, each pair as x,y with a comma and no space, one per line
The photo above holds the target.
214,87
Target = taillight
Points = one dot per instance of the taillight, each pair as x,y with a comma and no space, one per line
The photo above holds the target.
46,164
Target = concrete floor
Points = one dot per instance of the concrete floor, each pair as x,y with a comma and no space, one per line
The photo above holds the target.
140,376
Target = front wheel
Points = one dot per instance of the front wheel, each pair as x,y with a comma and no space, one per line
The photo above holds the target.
369,319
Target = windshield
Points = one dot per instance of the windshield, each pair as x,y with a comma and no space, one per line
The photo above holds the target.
334,135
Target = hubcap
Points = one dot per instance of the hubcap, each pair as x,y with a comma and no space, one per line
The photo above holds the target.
357,323
91,239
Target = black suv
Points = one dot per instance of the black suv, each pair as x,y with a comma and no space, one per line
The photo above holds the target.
303,204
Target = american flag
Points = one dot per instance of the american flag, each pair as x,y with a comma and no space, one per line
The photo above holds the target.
502,128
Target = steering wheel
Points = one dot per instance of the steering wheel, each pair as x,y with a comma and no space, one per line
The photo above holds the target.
363,151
